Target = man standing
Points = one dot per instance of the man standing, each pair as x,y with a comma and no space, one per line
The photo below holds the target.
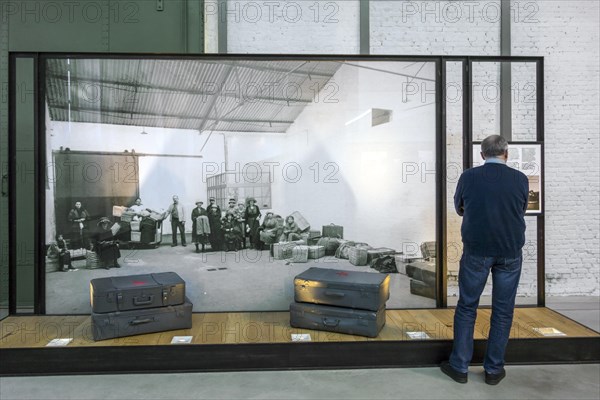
177,220
492,200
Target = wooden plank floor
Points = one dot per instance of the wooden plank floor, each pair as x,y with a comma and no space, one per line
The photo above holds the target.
273,327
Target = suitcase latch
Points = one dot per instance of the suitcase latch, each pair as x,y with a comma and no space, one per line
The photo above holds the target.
119,297
165,295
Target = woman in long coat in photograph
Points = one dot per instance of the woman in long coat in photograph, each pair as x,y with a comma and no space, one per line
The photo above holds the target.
214,219
252,217
200,231
78,217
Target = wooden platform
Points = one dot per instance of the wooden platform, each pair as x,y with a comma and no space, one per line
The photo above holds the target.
262,340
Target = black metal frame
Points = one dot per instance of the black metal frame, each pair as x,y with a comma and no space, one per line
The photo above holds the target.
468,151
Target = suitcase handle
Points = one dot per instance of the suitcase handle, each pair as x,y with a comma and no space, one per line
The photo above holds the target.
138,302
141,321
334,294
331,323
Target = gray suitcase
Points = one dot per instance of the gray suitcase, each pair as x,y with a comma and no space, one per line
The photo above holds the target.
337,319
422,271
132,292
137,322
363,290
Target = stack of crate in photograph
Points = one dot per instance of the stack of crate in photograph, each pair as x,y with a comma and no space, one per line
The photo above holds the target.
422,272
137,304
340,301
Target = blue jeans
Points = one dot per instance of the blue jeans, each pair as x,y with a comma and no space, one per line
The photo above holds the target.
472,276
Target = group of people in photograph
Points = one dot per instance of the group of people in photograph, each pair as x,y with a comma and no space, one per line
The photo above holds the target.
237,227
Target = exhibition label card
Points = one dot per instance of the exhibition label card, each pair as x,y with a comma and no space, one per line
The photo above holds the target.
301,337
181,340
420,335
549,331
59,342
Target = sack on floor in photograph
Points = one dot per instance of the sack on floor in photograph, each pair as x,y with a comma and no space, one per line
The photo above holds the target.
385,265
91,260
330,244
135,292
136,322
344,250
337,319
353,289
373,254
334,231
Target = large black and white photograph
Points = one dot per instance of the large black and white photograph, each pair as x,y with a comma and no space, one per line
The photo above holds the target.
239,175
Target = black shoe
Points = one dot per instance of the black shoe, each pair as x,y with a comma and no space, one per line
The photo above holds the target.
197,250
184,244
494,379
459,377
117,265
174,244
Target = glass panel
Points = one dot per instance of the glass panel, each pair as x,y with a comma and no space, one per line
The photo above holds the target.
348,143
454,167
25,184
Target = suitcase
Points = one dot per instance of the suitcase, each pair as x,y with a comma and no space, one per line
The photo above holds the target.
337,319
299,254
422,289
373,254
156,216
135,225
136,322
422,271
136,236
315,252
127,216
131,292
302,223
334,231
282,250
117,211
364,290
428,249
357,256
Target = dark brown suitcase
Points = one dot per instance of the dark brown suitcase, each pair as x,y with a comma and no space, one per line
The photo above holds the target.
363,290
137,322
337,319
121,293
334,231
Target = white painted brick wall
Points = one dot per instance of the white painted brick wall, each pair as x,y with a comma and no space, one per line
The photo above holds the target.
306,27
565,32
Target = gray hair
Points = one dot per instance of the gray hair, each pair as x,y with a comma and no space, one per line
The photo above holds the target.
494,146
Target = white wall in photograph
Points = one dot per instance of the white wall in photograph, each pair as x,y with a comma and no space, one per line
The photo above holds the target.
334,167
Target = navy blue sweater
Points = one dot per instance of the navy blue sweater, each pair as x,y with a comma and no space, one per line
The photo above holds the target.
492,199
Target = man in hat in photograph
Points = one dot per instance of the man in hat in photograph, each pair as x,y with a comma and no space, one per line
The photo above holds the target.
200,226
177,212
